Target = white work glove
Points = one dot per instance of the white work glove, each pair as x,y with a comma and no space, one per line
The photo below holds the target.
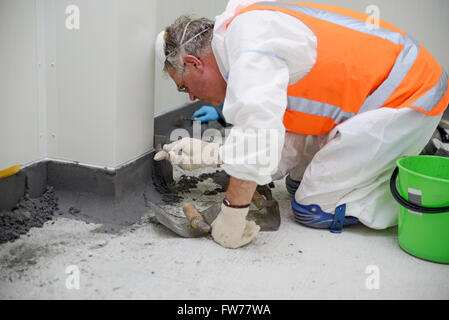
190,154
231,229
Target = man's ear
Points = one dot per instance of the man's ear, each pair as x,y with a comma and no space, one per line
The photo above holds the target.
193,62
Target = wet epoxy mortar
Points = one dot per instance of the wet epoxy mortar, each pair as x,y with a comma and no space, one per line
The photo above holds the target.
146,261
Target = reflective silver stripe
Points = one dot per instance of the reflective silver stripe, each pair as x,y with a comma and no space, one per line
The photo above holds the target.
403,63
402,66
318,108
432,97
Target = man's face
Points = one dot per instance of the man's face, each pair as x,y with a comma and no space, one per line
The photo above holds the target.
201,79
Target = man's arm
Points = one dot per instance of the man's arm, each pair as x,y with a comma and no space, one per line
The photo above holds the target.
240,192
264,52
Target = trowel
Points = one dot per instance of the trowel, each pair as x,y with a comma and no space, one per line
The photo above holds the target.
267,216
181,225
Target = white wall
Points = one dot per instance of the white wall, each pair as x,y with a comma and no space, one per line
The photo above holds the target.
426,21
135,78
19,125
80,95
81,85
104,77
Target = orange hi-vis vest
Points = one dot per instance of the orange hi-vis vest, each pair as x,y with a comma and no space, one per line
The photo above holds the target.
360,67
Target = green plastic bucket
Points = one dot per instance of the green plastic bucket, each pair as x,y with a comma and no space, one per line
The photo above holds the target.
422,190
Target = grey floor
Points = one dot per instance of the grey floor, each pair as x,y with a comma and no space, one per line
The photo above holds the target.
67,259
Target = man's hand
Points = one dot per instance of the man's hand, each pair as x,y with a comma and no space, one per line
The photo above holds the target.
231,229
190,154
206,114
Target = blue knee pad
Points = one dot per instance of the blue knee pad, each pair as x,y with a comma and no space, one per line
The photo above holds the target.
312,216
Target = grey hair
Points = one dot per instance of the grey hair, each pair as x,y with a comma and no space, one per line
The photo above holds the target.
186,36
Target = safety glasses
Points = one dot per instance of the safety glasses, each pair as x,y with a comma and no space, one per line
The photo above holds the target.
182,88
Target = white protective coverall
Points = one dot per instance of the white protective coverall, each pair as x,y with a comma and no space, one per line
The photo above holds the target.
260,55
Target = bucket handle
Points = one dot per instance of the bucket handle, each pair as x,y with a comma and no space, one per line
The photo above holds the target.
409,205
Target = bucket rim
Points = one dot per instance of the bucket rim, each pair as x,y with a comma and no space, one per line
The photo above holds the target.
412,206
399,164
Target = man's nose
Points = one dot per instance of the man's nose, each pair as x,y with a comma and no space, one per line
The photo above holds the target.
192,97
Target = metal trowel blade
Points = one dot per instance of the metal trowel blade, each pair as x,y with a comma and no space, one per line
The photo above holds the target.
211,214
266,219
178,225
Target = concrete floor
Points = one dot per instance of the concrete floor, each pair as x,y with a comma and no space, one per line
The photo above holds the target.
146,261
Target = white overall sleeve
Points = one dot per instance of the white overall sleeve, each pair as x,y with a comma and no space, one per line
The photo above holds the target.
265,52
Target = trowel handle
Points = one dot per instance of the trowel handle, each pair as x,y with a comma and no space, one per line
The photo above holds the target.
195,219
